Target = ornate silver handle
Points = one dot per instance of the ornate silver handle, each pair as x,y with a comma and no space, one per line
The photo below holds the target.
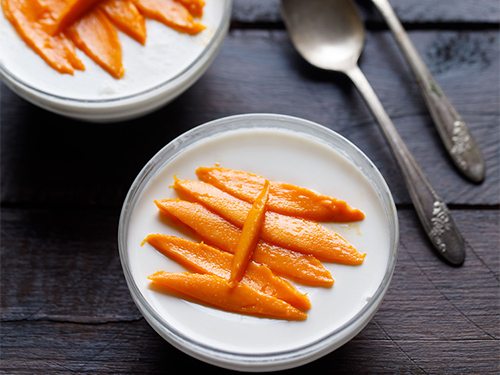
431,209
453,131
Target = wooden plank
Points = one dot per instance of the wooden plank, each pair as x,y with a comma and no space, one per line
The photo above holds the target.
424,11
135,348
452,302
63,265
48,160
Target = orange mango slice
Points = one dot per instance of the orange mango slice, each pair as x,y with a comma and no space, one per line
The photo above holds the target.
284,198
95,35
201,258
297,234
304,269
249,235
170,13
126,17
195,7
71,52
57,51
216,292
59,14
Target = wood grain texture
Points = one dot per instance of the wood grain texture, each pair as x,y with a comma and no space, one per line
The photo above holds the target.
134,348
66,308
48,160
409,11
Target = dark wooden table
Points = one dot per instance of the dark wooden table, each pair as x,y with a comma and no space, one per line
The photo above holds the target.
65,304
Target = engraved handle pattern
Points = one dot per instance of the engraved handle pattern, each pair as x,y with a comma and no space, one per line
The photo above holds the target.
440,224
461,143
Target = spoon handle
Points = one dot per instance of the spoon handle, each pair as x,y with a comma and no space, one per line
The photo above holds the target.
431,209
453,131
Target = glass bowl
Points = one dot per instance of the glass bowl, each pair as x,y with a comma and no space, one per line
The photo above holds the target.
280,148
100,98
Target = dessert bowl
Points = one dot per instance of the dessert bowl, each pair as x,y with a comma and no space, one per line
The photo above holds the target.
156,73
282,148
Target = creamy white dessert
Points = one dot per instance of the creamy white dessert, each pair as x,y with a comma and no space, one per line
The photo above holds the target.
279,155
167,53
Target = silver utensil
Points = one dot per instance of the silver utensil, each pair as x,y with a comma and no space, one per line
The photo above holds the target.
329,34
453,131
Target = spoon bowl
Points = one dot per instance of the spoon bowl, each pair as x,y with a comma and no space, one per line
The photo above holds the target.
332,39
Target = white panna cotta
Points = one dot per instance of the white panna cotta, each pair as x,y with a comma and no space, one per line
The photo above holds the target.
279,155
167,55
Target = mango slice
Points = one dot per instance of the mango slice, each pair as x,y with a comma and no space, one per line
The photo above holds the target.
300,235
170,13
249,235
126,17
95,35
71,52
284,198
304,269
201,258
195,7
57,51
215,291
59,14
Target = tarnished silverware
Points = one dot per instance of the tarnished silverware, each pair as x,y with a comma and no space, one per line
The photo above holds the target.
329,34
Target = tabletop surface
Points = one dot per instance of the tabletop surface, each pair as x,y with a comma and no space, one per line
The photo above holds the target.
65,306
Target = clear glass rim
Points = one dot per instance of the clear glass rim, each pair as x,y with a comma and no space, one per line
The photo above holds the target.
6,75
170,151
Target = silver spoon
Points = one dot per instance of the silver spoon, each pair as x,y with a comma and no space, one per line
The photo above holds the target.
329,34
453,131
